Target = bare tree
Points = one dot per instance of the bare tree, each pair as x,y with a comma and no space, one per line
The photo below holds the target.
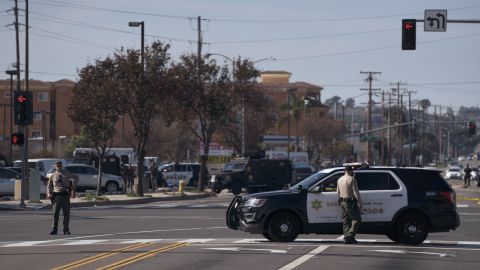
96,105
327,139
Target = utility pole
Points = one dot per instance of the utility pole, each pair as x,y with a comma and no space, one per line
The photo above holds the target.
410,126
399,118
369,79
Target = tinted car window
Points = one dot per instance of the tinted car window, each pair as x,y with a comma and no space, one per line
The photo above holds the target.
423,179
330,184
88,170
376,181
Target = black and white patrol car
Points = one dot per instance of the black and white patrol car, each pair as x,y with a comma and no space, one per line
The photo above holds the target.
403,203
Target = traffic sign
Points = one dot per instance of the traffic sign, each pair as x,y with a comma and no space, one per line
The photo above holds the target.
435,20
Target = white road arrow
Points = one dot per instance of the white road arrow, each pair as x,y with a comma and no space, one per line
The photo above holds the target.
412,252
251,249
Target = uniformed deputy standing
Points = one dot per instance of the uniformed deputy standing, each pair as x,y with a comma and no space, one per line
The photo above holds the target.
58,191
351,204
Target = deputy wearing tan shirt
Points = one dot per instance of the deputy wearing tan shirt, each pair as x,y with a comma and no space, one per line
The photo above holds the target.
58,191
351,204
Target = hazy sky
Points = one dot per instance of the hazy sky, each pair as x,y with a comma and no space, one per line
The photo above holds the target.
322,42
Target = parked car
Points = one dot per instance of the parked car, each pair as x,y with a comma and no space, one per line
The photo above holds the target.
7,181
405,204
88,178
41,164
453,173
172,173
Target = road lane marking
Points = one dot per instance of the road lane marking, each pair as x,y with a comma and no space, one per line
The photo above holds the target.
26,243
82,242
100,256
142,256
304,258
138,232
406,252
236,249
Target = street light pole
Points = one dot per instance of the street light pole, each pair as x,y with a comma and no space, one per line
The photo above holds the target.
243,128
289,92
142,60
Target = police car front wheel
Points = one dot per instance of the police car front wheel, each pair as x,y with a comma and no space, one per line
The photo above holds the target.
283,227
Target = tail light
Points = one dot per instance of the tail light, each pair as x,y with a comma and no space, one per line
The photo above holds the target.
450,196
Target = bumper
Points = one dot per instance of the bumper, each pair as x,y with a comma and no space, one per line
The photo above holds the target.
445,221
242,218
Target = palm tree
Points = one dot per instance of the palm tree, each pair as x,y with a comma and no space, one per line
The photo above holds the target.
296,107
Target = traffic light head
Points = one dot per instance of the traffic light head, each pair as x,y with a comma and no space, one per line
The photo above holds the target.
409,34
23,108
471,128
18,139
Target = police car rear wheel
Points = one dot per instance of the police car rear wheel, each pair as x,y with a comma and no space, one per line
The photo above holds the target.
283,227
412,229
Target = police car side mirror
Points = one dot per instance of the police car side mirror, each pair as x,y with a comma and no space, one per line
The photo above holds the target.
317,189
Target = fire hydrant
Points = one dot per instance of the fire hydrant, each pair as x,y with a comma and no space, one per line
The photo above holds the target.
181,186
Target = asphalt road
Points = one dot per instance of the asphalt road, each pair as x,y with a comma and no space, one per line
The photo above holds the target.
193,235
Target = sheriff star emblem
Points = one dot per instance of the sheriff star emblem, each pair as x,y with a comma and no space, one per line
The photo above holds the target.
316,204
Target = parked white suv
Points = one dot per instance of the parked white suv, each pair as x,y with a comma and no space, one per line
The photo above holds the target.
88,178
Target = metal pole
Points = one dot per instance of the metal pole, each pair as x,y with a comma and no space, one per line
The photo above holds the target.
143,45
288,125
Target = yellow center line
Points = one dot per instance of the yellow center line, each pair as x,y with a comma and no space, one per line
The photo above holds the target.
99,256
468,198
142,256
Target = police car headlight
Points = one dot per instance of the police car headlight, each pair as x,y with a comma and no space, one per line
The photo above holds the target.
255,202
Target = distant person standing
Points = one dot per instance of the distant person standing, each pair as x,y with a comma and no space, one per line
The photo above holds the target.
153,169
351,204
468,175
58,191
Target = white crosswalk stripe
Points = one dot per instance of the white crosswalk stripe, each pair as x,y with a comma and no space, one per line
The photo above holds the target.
222,241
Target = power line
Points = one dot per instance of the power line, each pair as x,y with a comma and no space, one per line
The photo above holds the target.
60,20
372,49
95,8
78,42
347,19
306,37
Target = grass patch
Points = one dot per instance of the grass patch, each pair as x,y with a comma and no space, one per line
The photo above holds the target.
92,197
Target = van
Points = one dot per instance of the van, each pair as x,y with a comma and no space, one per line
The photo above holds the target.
41,164
172,173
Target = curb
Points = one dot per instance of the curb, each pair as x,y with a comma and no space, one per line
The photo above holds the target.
144,200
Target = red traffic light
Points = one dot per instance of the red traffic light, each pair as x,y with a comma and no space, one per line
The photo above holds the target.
18,139
22,99
408,26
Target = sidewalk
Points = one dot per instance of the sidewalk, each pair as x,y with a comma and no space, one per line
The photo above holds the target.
121,199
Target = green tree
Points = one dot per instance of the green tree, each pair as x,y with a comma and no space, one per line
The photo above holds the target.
204,101
259,109
146,92
96,105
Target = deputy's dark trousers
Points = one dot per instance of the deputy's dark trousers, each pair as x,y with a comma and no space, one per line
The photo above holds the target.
61,201
351,218
466,180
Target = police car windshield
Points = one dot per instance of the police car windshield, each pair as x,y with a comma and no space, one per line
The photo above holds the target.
309,181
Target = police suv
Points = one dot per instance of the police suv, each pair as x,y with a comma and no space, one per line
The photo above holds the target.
403,203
